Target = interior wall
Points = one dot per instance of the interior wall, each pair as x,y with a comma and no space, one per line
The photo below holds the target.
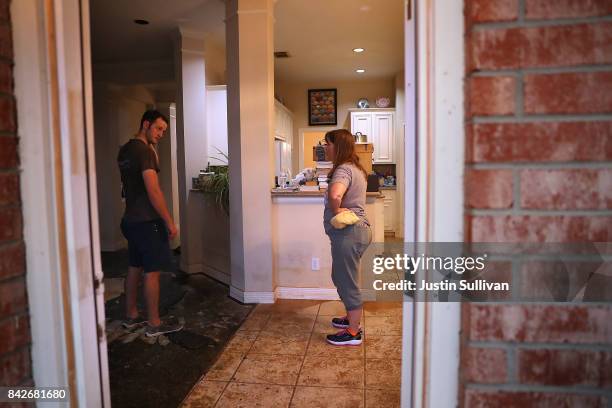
215,64
117,116
294,96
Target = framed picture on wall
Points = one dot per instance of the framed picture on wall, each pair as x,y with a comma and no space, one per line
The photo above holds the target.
322,107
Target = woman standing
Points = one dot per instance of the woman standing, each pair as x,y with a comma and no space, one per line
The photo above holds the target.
346,192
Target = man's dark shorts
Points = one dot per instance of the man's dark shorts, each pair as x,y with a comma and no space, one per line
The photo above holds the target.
148,244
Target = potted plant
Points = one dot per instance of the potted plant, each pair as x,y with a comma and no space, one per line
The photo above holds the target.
218,183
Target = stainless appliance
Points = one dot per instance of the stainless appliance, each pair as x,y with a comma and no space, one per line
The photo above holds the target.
361,138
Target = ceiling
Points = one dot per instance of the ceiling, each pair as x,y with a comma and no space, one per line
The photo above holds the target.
318,34
116,38
321,34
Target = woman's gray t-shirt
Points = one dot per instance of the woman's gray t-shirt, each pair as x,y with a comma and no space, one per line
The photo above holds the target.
355,196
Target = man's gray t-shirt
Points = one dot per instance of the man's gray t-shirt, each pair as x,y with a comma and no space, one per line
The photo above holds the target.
355,196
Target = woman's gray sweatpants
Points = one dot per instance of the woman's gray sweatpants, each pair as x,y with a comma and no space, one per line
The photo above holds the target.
347,247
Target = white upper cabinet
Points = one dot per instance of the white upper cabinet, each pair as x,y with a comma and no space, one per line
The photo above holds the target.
283,122
378,126
362,122
382,136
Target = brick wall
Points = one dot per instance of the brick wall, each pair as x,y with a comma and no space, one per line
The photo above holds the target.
15,367
538,169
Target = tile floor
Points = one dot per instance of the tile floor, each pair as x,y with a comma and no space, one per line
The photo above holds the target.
279,358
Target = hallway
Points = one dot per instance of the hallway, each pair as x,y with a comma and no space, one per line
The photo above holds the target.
279,358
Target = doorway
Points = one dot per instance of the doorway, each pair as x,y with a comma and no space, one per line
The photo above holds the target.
70,19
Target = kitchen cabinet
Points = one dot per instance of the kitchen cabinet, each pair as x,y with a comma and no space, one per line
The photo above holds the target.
282,157
390,209
378,125
283,122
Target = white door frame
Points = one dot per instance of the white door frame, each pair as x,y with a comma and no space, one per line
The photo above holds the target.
58,190
430,366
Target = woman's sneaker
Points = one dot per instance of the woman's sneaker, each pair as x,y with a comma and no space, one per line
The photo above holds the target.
340,322
345,338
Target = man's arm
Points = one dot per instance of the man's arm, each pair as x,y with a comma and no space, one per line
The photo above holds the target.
157,199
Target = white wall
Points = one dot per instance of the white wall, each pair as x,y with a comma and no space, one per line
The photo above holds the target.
295,97
117,113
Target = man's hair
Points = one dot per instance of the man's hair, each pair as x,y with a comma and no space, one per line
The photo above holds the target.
151,116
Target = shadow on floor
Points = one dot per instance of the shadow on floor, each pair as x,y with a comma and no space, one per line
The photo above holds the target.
160,372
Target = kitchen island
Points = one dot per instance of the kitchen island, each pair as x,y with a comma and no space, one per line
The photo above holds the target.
301,250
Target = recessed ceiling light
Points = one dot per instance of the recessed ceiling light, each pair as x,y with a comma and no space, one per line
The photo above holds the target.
358,49
141,22
360,71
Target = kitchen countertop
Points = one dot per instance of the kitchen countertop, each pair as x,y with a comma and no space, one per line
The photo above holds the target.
312,194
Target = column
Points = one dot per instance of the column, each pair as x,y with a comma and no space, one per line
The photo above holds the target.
250,77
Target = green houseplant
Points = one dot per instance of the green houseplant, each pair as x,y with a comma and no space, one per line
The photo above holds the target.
218,183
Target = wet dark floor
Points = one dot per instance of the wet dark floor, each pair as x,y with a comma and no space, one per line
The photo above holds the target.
159,373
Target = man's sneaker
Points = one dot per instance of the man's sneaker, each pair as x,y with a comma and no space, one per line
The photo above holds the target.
344,338
130,323
340,322
154,331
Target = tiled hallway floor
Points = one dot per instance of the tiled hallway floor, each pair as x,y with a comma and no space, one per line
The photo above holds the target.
279,358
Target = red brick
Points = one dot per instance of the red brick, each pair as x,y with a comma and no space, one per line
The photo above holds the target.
9,188
15,333
589,92
9,158
568,189
564,367
533,228
525,399
12,297
485,11
486,365
551,9
6,42
12,260
541,323
550,46
492,95
6,78
15,367
5,10
489,188
10,224
566,281
541,142
7,114
494,271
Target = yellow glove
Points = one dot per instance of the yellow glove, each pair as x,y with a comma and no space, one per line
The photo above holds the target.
343,219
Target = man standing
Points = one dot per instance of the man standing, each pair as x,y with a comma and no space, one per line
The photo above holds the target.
146,224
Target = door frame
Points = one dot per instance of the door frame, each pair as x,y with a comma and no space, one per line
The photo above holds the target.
434,152
58,189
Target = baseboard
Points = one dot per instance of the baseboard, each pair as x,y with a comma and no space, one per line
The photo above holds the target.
192,268
368,295
306,293
208,271
251,297
217,274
